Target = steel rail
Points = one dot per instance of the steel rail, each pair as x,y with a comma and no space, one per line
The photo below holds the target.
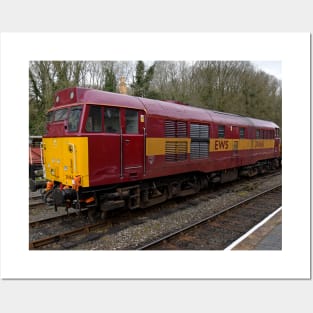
190,226
55,218
55,238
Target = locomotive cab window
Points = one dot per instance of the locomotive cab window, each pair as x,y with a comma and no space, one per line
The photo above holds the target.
94,120
131,121
221,131
60,115
112,120
74,118
50,116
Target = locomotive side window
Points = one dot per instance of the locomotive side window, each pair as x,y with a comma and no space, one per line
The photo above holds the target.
221,131
74,118
112,120
94,121
257,134
242,132
131,121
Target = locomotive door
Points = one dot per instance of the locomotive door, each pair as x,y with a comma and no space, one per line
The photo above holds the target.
132,143
235,135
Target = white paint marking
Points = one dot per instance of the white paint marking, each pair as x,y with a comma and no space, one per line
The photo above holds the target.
253,229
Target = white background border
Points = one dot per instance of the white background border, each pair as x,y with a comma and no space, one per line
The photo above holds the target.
292,49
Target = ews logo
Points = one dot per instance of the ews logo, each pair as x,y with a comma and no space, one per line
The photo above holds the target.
221,145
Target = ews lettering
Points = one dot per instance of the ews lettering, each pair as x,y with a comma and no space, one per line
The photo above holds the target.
221,145
259,144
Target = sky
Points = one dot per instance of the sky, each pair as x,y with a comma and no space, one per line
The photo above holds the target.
270,67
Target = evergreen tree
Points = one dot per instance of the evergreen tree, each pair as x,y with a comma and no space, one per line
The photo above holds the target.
142,80
110,82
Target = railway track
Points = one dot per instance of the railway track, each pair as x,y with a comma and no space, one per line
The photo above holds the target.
86,229
35,201
51,229
55,219
65,232
37,204
218,231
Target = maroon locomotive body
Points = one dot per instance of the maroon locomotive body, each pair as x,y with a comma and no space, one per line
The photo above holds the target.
105,150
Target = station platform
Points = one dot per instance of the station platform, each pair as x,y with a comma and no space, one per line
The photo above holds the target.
267,235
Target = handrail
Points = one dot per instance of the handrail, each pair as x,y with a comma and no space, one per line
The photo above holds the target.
121,154
74,157
42,145
144,150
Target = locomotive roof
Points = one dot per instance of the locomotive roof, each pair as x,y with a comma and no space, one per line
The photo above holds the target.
191,113
155,107
87,95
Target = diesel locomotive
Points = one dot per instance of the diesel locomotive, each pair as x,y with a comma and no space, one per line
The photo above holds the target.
104,150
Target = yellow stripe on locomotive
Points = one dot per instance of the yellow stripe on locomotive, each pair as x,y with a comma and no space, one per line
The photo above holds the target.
221,144
157,146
